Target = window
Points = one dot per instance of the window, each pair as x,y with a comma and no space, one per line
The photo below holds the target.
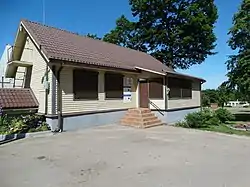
179,88
113,86
186,93
85,84
156,89
175,93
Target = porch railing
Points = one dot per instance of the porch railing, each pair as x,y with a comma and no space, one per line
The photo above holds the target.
156,107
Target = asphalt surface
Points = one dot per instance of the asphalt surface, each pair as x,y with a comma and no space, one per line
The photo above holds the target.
114,156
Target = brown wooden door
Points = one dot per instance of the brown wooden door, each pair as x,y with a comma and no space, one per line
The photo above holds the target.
144,94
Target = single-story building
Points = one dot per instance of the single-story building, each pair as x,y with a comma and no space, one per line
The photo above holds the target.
81,81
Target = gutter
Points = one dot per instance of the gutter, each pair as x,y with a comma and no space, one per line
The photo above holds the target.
151,71
28,110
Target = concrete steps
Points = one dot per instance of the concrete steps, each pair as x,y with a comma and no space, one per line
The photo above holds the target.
140,118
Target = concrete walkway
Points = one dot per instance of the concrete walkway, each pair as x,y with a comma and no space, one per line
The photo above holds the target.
126,157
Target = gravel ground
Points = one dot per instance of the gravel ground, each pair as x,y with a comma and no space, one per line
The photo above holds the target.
126,157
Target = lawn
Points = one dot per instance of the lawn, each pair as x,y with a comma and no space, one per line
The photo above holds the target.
220,120
225,129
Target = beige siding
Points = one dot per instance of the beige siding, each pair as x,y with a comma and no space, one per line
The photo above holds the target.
31,54
160,103
19,82
70,105
50,92
182,103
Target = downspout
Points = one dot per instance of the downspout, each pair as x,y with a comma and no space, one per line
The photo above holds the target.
59,127
46,88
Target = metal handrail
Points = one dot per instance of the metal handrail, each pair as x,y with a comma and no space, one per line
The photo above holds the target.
156,107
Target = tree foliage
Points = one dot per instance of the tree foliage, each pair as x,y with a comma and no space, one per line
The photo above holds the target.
94,36
125,34
177,32
220,95
239,65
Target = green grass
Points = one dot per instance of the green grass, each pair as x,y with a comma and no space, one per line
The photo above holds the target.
225,129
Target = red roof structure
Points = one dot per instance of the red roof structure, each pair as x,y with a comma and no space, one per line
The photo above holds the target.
17,98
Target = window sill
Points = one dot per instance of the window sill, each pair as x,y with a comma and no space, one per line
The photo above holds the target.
86,99
187,98
156,99
120,99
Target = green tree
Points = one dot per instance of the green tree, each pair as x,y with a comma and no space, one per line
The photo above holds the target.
179,33
125,34
239,65
205,100
94,36
212,94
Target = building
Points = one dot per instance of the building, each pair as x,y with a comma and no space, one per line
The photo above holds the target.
15,82
237,104
82,82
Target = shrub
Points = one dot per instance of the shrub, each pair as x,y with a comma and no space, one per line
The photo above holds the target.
23,124
4,124
18,126
224,115
200,119
213,121
181,124
194,120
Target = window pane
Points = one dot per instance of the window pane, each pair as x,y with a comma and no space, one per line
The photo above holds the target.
179,88
179,83
156,89
175,93
174,82
186,93
186,84
114,86
85,84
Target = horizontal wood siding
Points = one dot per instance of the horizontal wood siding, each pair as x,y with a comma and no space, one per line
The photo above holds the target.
70,105
195,101
50,92
159,103
38,70
20,76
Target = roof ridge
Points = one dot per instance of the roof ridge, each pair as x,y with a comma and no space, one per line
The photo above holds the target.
76,34
41,24
102,52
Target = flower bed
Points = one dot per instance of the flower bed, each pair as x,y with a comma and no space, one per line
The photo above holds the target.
22,124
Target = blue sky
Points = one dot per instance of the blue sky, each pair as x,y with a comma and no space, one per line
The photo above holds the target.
98,16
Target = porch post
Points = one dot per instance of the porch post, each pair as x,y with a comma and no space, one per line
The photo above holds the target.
166,92
101,82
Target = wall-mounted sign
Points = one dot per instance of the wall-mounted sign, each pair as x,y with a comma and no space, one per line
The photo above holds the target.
127,89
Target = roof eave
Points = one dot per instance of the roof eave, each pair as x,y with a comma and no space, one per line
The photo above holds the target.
188,76
90,66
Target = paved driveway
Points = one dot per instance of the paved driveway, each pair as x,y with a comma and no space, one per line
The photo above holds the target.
115,156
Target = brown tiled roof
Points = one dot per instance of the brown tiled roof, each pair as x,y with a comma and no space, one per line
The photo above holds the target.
67,46
16,98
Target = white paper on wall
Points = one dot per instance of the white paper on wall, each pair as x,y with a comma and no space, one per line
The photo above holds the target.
127,89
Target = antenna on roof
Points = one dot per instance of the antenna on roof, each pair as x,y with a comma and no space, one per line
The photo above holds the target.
43,11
